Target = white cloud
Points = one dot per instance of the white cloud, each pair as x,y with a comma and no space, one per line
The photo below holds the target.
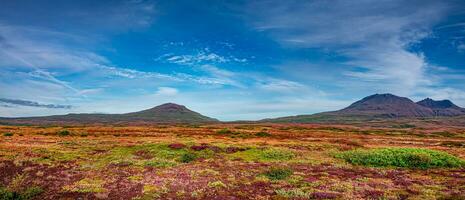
166,91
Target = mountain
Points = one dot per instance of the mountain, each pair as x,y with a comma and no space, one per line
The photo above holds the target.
380,106
387,105
442,107
165,113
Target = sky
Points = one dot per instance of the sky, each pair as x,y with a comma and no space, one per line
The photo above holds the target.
231,60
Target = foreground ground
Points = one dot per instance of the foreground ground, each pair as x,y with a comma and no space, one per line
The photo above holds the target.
232,161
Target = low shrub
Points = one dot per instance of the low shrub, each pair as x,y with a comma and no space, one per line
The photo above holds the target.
278,173
187,157
31,193
453,144
443,134
224,131
403,126
7,134
401,157
262,134
28,193
63,133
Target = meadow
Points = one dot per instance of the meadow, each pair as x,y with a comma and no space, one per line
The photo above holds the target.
232,161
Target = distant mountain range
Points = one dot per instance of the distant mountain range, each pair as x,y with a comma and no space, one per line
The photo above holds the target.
381,106
166,113
377,106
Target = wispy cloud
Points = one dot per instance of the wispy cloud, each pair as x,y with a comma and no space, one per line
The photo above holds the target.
33,104
204,56
373,36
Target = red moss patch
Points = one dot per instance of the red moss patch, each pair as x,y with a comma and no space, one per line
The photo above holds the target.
199,147
176,146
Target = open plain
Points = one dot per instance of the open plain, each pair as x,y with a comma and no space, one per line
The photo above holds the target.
232,161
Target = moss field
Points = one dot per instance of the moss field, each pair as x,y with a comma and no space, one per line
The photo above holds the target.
231,161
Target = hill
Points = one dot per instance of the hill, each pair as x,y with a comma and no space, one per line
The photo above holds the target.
165,113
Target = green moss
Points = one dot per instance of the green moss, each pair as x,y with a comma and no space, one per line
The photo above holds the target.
401,157
158,155
160,163
264,155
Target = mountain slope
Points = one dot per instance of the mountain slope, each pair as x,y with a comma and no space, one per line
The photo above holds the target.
166,113
380,106
442,107
387,105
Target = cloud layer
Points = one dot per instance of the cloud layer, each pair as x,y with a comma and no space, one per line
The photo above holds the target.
33,104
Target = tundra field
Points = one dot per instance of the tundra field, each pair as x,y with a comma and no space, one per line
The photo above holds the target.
232,161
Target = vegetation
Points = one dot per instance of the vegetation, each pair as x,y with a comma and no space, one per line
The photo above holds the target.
278,173
300,161
7,134
187,157
63,133
264,155
224,131
28,193
262,134
401,157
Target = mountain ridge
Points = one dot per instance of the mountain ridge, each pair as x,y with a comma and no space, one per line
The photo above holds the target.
164,113
380,106
376,106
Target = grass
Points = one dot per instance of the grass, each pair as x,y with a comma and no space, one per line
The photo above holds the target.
402,157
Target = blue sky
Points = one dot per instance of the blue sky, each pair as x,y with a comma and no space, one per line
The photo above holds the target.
226,59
